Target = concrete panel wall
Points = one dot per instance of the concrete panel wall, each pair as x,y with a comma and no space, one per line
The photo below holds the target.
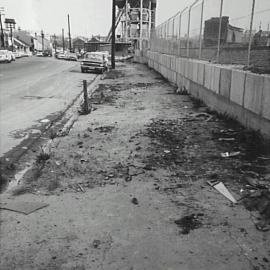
242,95
253,92
266,98
225,82
238,86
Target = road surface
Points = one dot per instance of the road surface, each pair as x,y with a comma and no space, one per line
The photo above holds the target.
31,89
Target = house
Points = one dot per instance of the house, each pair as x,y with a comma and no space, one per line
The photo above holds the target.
262,38
21,47
229,34
26,38
47,46
78,43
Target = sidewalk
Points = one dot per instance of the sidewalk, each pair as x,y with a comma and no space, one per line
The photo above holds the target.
127,188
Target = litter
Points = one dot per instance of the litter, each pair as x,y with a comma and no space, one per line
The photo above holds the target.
81,188
226,139
220,187
44,121
23,207
167,151
135,201
231,154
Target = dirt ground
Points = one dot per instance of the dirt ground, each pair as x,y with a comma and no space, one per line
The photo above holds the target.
127,187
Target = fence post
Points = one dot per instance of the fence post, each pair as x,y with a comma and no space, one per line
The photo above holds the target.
173,27
180,25
85,98
189,13
219,29
200,49
250,32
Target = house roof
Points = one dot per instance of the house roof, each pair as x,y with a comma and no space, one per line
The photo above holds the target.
235,28
24,37
19,43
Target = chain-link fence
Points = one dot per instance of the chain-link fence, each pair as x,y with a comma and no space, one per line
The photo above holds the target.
222,31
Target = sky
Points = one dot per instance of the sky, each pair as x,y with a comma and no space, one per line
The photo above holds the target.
89,17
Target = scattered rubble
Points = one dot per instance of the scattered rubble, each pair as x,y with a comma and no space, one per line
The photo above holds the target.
190,222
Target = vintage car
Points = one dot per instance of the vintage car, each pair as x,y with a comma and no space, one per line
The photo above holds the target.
6,56
94,61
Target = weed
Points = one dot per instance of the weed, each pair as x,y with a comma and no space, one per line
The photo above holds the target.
42,157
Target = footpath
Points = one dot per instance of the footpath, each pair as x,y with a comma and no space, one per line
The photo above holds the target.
128,187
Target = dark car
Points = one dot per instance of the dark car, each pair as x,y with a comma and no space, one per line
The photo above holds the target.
94,61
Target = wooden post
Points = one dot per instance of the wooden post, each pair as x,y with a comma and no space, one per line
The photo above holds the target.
85,97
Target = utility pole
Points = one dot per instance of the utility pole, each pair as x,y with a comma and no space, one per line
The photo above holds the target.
69,37
42,40
10,23
113,36
2,31
54,38
63,39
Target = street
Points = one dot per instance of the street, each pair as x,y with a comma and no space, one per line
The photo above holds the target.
32,89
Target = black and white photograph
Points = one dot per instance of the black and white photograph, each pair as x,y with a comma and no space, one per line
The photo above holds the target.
134,134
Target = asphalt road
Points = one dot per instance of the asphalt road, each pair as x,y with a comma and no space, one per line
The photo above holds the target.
32,89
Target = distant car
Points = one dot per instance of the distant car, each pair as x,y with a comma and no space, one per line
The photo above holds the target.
71,56
5,56
61,55
94,61
39,54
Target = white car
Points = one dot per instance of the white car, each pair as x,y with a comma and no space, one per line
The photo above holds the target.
5,56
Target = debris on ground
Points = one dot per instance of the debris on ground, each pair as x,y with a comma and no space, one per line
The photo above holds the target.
220,187
230,154
135,201
96,243
189,222
23,207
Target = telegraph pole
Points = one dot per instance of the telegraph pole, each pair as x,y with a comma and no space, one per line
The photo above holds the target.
42,39
54,37
113,36
69,37
2,31
63,39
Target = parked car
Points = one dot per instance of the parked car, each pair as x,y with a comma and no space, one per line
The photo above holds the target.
94,61
12,55
5,56
39,54
61,55
71,56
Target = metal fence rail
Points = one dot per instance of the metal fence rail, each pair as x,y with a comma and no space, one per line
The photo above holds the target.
223,31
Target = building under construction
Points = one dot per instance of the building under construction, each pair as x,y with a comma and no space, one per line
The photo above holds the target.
134,21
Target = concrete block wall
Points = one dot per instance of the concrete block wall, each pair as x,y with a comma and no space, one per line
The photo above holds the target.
243,95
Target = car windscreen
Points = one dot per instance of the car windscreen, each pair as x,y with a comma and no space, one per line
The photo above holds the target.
94,57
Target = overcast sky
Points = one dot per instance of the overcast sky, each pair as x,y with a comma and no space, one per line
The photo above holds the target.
94,16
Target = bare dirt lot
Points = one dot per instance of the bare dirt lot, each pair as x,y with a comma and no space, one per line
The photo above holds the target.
127,187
